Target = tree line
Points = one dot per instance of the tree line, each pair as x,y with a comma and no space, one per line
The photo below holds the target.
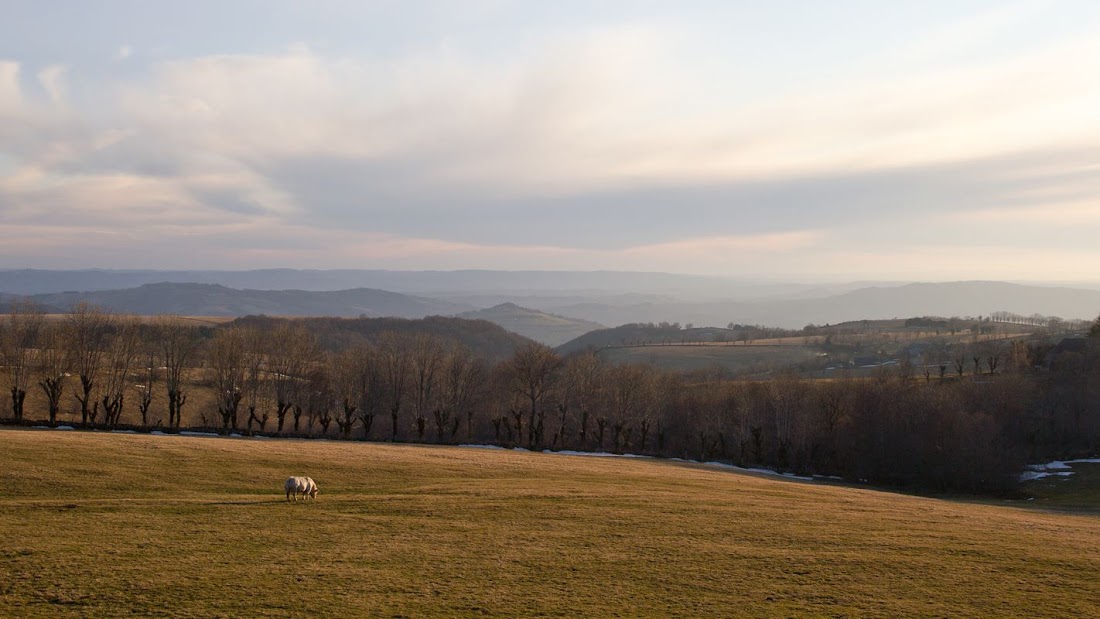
943,431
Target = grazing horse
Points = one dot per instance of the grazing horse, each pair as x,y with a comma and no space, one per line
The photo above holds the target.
304,485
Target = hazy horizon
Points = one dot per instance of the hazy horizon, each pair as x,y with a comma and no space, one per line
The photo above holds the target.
793,142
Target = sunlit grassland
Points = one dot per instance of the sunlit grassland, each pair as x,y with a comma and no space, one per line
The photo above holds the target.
98,524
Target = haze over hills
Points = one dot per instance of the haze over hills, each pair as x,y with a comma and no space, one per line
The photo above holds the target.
549,329
495,286
216,300
564,295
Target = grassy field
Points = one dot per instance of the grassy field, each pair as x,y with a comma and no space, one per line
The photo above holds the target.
98,524
735,358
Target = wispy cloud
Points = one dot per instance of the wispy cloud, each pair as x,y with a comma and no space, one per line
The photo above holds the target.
604,147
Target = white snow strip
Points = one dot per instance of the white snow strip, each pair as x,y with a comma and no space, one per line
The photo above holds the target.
597,454
157,432
64,428
190,433
123,431
471,446
1059,468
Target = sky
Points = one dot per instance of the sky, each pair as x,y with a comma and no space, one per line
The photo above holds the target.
788,140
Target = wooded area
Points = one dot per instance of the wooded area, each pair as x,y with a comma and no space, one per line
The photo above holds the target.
966,423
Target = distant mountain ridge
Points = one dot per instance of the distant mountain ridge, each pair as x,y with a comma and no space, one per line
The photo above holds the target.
543,308
217,300
550,329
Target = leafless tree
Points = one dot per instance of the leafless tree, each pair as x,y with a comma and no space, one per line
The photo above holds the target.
123,349
355,382
255,379
149,358
463,381
531,370
53,360
179,347
396,360
428,356
227,359
291,352
629,395
88,329
19,342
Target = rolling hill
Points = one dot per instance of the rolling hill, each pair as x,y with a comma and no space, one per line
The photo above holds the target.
217,300
485,339
549,329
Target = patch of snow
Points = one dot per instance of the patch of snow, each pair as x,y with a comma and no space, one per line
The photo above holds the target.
64,428
1059,468
235,435
597,454
157,432
190,433
472,446
123,431
40,427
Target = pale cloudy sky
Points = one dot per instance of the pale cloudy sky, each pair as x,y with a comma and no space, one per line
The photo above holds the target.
788,139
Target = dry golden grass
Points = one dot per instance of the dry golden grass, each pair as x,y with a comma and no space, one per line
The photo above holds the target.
98,524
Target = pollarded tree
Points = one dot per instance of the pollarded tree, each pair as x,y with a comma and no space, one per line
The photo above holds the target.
179,345
19,343
88,329
255,379
52,366
351,378
122,349
226,357
531,371
291,352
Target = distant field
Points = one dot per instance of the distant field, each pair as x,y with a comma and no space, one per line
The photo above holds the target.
112,525
208,321
735,358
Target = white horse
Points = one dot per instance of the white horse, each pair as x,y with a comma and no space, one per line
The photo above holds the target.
304,485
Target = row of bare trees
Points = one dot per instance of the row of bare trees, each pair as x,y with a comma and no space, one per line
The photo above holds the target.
969,434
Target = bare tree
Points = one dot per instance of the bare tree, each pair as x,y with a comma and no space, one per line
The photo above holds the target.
396,358
227,359
355,386
19,342
428,356
149,359
291,352
179,347
629,393
531,370
122,349
88,327
255,379
464,379
52,367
